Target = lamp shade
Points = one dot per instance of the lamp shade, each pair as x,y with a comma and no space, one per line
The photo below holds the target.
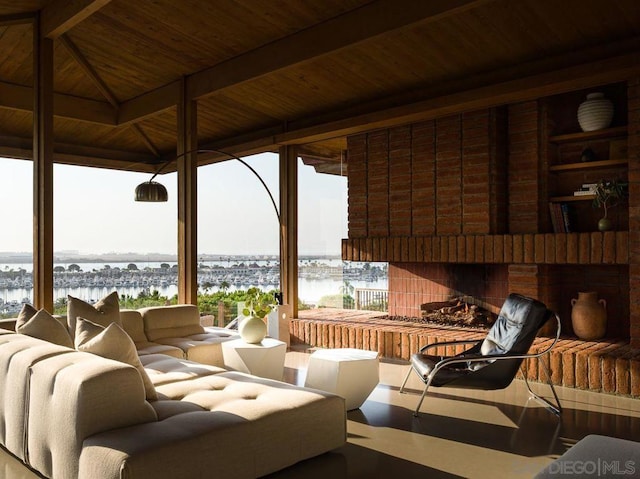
151,191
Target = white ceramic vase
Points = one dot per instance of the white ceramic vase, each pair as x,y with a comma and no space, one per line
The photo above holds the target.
252,330
595,113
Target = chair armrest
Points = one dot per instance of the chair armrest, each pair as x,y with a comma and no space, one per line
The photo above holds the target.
449,343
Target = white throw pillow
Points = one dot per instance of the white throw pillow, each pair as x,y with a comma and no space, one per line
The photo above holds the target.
40,324
104,312
114,343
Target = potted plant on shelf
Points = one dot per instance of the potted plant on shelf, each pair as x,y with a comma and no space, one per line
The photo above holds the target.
257,306
608,193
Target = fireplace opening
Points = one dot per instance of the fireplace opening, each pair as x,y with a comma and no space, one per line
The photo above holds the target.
459,311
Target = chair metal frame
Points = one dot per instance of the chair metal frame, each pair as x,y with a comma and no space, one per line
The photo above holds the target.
554,408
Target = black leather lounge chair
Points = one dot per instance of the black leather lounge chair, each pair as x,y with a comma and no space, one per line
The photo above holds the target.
491,363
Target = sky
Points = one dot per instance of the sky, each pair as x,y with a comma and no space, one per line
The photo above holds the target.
95,211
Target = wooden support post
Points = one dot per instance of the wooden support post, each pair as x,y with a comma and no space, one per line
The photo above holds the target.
187,157
42,169
289,227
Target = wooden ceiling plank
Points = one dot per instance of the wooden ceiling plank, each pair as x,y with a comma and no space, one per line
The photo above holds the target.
60,16
358,25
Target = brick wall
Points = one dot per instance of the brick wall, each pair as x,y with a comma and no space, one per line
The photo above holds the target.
411,284
473,189
442,177
524,178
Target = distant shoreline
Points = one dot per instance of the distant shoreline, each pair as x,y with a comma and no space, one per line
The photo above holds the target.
17,258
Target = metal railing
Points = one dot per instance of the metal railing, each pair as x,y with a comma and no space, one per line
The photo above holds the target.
371,299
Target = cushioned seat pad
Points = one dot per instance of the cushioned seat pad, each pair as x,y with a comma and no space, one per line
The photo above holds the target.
163,369
145,348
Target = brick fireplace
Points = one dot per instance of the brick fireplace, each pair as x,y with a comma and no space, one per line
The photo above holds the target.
461,205
411,284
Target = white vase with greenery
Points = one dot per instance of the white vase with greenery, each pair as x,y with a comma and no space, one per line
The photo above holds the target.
257,306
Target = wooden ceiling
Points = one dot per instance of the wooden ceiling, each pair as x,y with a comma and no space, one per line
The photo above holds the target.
267,73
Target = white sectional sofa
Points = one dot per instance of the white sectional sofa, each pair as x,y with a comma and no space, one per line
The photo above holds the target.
70,414
175,331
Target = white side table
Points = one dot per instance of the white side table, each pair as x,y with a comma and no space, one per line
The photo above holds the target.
265,359
350,373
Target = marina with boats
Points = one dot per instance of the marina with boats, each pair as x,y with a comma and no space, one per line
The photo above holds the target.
92,280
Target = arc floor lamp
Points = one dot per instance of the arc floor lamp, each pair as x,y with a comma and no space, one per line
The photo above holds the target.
154,192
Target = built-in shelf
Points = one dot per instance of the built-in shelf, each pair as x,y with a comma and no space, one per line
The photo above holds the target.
589,165
618,131
562,199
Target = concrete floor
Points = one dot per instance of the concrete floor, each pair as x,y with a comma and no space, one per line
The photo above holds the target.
459,433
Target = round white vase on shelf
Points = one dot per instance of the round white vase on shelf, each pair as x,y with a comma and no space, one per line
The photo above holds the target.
252,330
595,113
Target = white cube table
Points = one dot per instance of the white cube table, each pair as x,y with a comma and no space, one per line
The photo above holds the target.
350,373
265,359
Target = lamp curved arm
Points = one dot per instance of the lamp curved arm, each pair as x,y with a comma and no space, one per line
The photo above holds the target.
234,157
273,202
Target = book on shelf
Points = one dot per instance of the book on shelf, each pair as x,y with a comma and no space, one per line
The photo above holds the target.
586,189
561,217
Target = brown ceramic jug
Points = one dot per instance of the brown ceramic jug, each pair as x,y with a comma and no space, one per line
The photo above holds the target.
589,316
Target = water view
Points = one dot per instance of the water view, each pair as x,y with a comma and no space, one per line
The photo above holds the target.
318,277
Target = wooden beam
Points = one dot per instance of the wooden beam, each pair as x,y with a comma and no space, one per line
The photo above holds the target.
91,73
364,23
289,227
149,104
60,16
358,25
106,92
370,116
18,97
42,171
187,157
78,155
16,19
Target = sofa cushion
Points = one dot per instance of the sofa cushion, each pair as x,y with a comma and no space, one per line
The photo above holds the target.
164,370
74,396
147,347
176,321
202,348
114,343
40,324
17,354
104,312
133,324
